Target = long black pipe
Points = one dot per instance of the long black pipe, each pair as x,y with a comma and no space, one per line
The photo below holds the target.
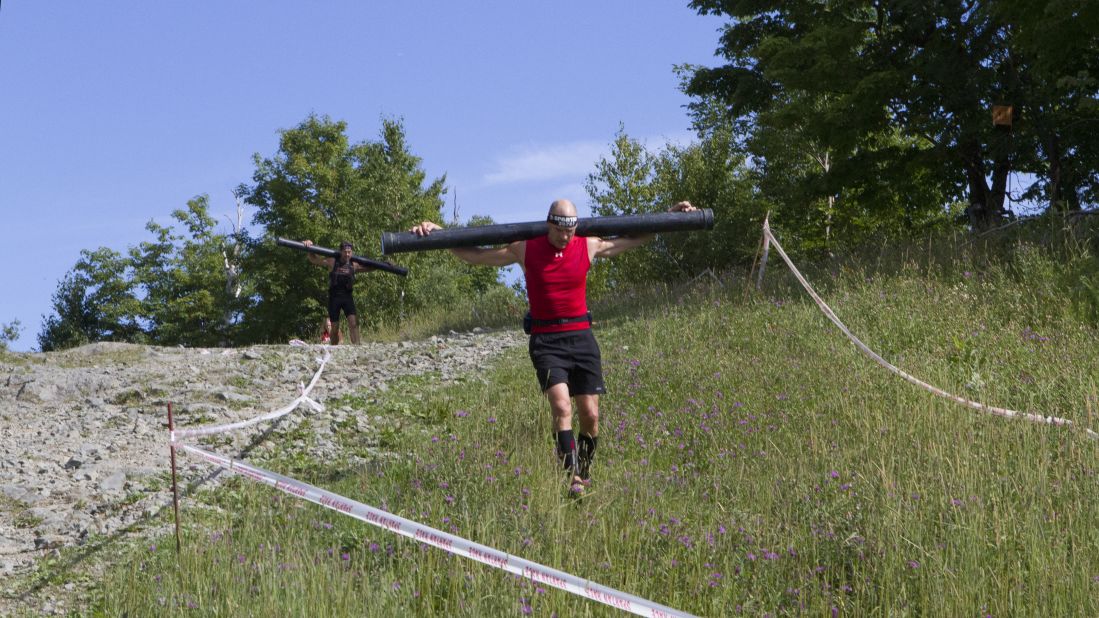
502,233
386,266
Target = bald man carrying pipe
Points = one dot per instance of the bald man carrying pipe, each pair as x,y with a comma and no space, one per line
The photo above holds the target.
562,347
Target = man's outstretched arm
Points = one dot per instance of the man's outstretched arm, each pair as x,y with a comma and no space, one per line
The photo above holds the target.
480,256
313,258
610,247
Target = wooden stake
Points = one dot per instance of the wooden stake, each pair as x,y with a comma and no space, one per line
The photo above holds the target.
175,486
766,250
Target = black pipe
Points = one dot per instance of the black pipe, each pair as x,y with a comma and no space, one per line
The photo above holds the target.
503,233
386,266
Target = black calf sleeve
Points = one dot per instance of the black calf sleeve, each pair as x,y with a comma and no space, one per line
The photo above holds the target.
566,449
586,453
588,444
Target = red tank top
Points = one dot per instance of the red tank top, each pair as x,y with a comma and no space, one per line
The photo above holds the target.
557,282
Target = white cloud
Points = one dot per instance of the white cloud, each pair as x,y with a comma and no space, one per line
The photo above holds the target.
571,161
576,159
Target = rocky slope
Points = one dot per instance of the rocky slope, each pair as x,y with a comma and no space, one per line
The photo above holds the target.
84,443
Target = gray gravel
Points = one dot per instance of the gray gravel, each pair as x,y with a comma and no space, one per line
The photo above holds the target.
84,444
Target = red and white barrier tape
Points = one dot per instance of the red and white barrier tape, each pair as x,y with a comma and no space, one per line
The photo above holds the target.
303,398
445,541
1004,412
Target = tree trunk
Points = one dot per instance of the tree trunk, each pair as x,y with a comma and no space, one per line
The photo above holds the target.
1001,167
1063,196
1053,151
986,206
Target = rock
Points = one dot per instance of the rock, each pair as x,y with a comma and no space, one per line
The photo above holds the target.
32,498
37,392
231,396
15,492
49,541
89,450
113,483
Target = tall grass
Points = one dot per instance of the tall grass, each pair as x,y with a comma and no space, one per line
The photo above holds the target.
751,462
496,308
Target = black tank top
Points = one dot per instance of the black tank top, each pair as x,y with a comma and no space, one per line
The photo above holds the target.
342,277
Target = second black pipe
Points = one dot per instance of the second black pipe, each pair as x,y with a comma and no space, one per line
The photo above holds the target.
386,266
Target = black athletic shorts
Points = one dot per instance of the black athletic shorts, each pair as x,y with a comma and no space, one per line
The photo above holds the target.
571,357
340,301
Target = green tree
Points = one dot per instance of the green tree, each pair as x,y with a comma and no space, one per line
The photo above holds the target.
320,186
623,184
891,91
826,194
710,174
95,301
1055,53
183,276
9,333
168,291
479,279
196,286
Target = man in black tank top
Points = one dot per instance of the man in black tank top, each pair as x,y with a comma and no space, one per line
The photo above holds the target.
341,281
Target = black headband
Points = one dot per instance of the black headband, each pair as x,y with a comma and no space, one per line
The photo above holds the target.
562,220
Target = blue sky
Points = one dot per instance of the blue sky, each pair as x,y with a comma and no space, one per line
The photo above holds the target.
116,113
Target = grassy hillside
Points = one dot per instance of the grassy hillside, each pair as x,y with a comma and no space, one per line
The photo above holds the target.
752,461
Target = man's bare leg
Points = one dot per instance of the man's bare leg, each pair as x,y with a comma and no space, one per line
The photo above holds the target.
561,407
353,328
588,409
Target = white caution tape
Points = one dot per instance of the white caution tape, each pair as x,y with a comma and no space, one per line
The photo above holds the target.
303,398
444,541
1004,412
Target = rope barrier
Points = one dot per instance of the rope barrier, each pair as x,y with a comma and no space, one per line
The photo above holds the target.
445,541
303,398
1003,412
399,525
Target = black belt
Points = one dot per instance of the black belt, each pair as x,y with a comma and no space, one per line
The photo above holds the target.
580,318
529,323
